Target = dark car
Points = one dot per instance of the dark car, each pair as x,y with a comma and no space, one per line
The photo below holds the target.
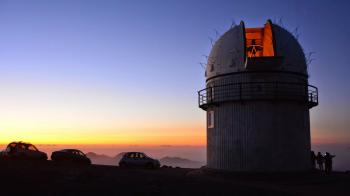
138,159
22,150
70,156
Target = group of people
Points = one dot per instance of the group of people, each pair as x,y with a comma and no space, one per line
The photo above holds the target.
324,162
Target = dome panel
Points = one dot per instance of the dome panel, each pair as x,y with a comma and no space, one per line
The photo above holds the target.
227,54
288,47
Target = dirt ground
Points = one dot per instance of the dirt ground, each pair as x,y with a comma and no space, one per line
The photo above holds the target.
48,178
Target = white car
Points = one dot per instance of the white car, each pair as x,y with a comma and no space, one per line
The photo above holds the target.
138,159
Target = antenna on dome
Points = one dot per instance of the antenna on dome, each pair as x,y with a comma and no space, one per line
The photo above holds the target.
233,23
217,34
280,22
296,33
211,41
309,58
202,65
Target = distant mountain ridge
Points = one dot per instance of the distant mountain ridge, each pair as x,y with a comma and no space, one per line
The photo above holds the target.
180,162
102,159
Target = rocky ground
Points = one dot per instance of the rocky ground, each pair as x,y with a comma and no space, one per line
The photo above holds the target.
48,178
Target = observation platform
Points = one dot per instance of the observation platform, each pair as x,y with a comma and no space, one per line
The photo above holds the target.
258,91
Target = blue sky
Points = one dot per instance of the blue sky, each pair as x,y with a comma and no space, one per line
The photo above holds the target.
83,65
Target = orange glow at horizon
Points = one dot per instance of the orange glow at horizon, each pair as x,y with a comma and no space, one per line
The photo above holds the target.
322,136
115,120
162,135
190,134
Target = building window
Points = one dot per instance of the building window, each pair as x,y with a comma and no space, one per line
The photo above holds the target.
210,119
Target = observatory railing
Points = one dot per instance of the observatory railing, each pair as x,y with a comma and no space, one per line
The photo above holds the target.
258,91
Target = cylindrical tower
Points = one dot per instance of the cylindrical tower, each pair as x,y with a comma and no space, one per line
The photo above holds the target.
257,100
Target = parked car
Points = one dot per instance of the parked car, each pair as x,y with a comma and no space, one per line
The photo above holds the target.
22,150
71,156
138,159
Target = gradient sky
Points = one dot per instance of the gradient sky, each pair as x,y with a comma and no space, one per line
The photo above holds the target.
127,72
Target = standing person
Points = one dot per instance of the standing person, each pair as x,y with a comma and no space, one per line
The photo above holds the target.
313,160
328,162
320,160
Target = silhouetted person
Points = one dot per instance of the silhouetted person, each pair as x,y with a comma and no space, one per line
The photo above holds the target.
320,160
328,162
313,160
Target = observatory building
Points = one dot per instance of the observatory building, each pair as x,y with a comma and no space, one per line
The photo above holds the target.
257,99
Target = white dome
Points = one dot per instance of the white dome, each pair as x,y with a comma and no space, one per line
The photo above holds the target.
229,53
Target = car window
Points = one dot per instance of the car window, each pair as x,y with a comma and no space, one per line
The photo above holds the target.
131,155
81,154
21,146
8,149
141,155
13,145
31,147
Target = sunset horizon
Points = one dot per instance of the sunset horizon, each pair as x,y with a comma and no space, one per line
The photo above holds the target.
124,74
214,97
